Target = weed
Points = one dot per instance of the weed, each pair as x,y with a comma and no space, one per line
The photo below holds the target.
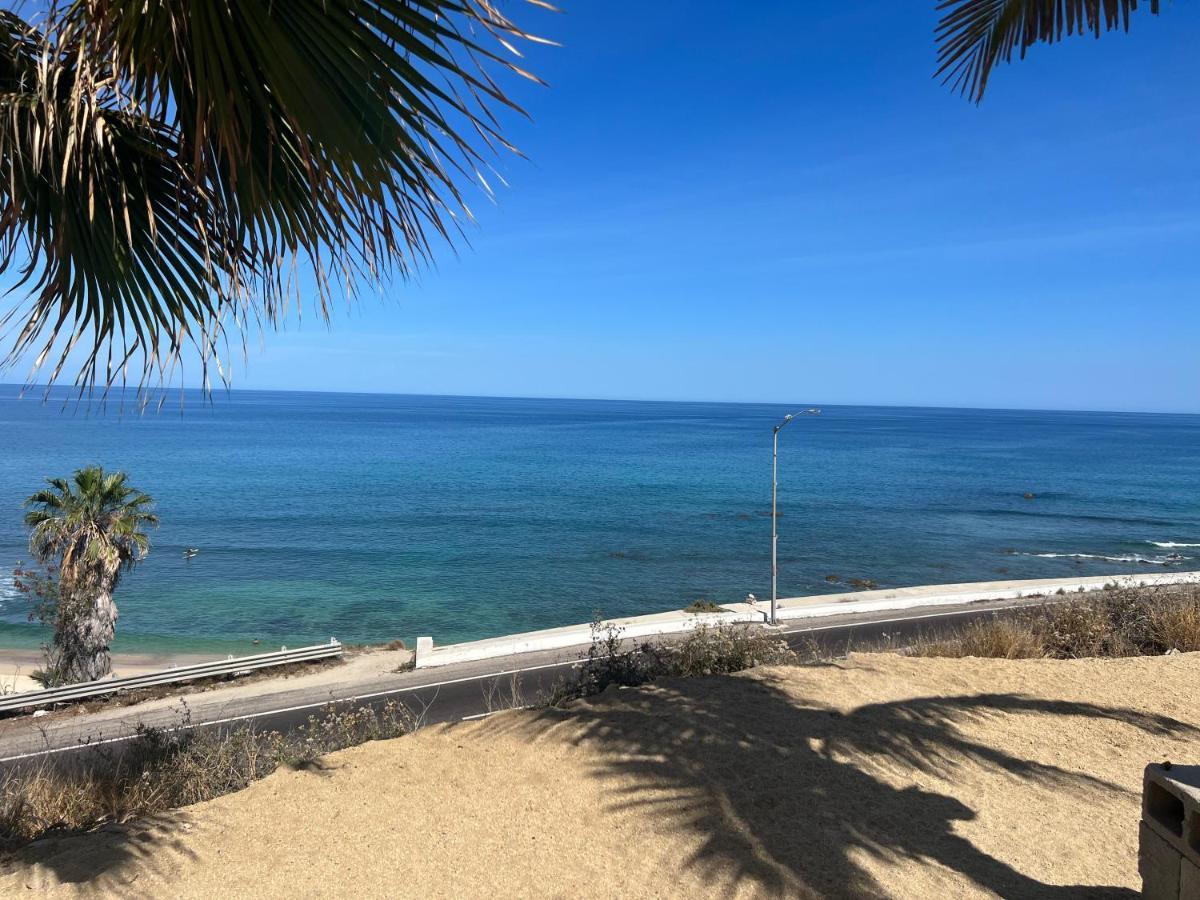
703,606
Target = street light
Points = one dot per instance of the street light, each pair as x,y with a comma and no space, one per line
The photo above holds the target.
774,512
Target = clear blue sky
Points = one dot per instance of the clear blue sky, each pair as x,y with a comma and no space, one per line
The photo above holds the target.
775,201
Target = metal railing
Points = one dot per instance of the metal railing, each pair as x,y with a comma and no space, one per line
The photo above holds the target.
230,666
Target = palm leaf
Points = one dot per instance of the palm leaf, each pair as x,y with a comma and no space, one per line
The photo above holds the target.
169,171
96,516
975,35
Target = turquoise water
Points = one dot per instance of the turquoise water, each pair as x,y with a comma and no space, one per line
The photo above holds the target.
371,517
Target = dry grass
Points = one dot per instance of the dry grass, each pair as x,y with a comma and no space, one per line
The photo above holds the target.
1112,623
1177,626
164,769
991,639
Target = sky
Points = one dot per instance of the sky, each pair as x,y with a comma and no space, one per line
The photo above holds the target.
775,201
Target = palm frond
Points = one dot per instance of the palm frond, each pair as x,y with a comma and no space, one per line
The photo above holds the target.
973,36
95,520
170,171
104,224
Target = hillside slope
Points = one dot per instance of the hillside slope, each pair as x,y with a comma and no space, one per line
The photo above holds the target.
876,776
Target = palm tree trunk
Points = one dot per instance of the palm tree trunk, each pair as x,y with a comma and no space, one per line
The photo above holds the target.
82,640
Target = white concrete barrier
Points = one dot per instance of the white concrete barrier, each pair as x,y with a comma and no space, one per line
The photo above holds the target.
789,609
423,651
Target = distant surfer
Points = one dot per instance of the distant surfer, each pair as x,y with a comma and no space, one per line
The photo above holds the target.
189,552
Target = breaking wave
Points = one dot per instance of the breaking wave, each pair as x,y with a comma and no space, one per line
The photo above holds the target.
1167,559
8,590
1167,545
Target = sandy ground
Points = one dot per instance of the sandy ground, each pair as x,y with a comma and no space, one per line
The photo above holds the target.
878,776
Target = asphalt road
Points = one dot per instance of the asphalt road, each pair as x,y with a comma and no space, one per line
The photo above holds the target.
445,694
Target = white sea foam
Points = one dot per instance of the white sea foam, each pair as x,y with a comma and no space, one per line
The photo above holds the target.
1168,559
1167,545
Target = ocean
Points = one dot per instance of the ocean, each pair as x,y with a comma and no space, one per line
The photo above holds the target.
375,517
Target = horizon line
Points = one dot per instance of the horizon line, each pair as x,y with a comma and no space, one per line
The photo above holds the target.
208,393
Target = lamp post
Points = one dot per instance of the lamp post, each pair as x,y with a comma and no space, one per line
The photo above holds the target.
774,511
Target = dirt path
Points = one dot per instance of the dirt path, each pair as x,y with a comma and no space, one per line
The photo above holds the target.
879,776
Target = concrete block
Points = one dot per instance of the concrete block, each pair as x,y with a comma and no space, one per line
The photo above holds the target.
423,652
1158,864
1171,806
1189,880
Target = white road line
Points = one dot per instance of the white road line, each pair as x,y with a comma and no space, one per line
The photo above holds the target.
484,715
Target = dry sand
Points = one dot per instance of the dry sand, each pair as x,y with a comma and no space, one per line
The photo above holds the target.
878,776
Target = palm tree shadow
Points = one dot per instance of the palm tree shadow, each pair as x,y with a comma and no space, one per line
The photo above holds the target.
111,860
761,779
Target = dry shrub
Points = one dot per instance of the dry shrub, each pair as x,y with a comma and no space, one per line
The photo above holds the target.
1075,630
162,769
705,651
721,650
1176,626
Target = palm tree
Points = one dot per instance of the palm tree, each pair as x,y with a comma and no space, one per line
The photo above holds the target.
974,35
91,528
172,172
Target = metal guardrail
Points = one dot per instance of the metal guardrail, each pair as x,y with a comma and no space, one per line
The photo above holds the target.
230,666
